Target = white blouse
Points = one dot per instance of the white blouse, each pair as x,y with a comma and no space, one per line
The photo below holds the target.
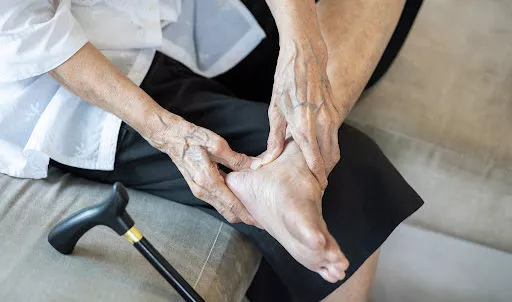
39,119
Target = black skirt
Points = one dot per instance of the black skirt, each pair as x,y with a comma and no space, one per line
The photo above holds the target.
366,198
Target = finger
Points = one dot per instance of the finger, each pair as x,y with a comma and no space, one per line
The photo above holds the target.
308,144
223,154
201,176
204,180
277,135
207,196
235,161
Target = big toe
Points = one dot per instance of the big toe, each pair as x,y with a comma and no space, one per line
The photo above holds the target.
307,230
337,263
334,253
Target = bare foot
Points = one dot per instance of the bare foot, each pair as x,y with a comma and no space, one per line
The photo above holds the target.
285,198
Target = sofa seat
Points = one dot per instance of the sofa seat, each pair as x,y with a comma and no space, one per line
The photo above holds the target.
217,260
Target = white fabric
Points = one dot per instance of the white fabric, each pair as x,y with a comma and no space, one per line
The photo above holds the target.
39,119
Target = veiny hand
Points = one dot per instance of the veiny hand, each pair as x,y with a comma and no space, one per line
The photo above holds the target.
302,101
196,152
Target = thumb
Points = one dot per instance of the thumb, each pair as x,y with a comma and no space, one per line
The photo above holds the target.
276,138
236,161
220,152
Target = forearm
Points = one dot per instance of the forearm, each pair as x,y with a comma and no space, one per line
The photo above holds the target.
297,22
92,77
356,33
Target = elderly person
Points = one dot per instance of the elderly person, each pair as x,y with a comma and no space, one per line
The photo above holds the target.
132,91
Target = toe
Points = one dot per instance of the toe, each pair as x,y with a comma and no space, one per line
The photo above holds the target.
334,253
336,256
337,270
324,273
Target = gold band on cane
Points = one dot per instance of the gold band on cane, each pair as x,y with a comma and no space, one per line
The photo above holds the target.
133,235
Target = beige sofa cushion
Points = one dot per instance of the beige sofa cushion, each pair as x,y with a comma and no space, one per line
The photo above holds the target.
443,114
218,261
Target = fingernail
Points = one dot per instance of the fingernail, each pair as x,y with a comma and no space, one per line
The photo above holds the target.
256,163
267,159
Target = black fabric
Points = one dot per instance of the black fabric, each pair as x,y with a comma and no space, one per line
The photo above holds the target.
365,200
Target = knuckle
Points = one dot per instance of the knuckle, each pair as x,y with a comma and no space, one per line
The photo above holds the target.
238,162
218,145
190,129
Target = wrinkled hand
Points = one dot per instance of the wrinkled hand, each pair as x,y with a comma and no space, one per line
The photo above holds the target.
302,102
196,152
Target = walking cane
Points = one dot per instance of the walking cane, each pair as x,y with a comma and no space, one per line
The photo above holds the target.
112,213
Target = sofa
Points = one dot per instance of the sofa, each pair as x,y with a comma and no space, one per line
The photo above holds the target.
442,114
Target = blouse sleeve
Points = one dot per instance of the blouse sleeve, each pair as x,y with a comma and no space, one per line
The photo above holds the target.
35,37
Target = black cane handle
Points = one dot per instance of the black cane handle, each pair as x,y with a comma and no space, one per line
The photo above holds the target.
111,212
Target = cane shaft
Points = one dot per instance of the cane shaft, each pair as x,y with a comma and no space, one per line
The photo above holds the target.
162,266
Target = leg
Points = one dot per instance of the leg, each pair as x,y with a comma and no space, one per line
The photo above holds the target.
356,34
357,288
